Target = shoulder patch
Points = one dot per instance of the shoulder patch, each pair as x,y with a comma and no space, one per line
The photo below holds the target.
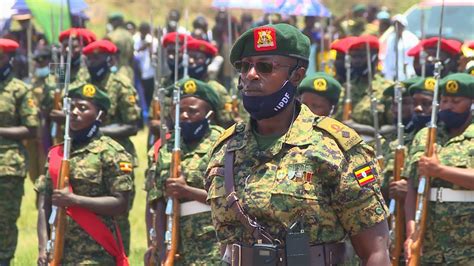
345,136
225,135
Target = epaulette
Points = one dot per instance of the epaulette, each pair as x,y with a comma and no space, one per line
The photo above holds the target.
235,128
345,136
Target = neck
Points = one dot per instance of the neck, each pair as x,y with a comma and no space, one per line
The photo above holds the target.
274,125
454,132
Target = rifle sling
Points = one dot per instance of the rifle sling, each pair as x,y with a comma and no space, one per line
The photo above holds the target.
257,231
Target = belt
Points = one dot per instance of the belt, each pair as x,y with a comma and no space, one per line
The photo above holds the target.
441,194
325,254
193,207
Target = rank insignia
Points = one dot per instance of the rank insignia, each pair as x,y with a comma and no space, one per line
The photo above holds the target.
364,175
126,167
308,177
265,39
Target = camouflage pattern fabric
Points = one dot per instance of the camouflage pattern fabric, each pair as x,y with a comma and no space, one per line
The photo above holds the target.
94,172
450,235
198,244
11,193
124,42
224,115
308,175
361,102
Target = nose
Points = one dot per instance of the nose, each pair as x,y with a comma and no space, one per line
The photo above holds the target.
418,109
252,73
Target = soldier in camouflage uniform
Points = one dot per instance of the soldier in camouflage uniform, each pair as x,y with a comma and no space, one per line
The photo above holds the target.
361,117
124,113
121,37
198,244
449,238
320,92
290,167
18,121
100,184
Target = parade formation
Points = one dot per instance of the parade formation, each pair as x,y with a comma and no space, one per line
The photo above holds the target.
348,141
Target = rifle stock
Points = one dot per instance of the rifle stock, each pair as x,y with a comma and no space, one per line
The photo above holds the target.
398,218
172,251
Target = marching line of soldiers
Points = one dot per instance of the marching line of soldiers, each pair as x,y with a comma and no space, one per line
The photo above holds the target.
287,168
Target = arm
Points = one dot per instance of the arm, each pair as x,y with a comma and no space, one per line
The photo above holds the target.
119,130
18,133
114,205
178,188
410,202
43,203
372,244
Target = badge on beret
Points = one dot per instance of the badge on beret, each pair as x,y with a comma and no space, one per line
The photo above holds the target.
265,39
364,175
126,167
190,87
88,90
202,48
430,84
320,85
96,50
452,86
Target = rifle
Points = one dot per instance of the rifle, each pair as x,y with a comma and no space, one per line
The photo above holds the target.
58,214
172,204
185,49
396,206
373,109
424,185
347,110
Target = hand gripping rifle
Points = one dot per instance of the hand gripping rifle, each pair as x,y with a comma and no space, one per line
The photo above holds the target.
396,206
172,204
347,110
424,185
373,109
58,214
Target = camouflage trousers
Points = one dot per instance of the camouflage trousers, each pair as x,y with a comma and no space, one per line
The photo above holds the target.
124,223
11,193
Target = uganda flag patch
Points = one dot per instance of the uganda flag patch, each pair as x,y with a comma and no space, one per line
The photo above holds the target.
126,167
364,175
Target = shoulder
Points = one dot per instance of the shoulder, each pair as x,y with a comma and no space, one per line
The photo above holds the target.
227,134
105,144
346,137
469,132
17,86
120,79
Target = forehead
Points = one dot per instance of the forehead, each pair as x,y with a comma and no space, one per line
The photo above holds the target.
275,58
192,101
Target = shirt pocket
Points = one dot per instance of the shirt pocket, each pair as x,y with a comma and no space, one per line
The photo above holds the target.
87,178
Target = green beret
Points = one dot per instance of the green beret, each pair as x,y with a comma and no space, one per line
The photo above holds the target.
115,15
199,89
91,93
271,39
359,8
389,91
426,85
458,84
322,84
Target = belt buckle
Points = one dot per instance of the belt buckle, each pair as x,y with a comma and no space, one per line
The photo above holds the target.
236,247
439,195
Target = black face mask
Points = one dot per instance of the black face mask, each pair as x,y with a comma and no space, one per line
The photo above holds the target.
198,71
170,63
452,119
85,135
5,71
420,121
76,62
194,131
99,72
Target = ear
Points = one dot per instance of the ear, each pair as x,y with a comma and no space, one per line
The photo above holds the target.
298,75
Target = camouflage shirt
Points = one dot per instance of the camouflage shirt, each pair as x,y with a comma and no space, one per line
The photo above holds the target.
224,115
17,108
124,107
450,237
203,248
95,171
308,175
124,41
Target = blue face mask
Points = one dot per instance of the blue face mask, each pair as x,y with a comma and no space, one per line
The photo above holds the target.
86,134
420,121
263,107
98,73
194,131
42,72
5,71
452,119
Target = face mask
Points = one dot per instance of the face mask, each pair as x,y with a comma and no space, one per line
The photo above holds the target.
262,107
198,71
452,119
359,71
407,123
194,131
76,61
5,71
420,121
171,67
42,72
86,134
98,72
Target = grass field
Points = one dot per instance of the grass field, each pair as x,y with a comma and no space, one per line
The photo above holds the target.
27,249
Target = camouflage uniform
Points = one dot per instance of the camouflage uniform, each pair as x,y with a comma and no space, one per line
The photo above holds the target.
198,244
450,235
17,108
124,42
123,110
361,102
224,116
307,174
94,172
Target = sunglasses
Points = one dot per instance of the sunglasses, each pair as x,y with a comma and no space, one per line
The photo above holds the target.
261,67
